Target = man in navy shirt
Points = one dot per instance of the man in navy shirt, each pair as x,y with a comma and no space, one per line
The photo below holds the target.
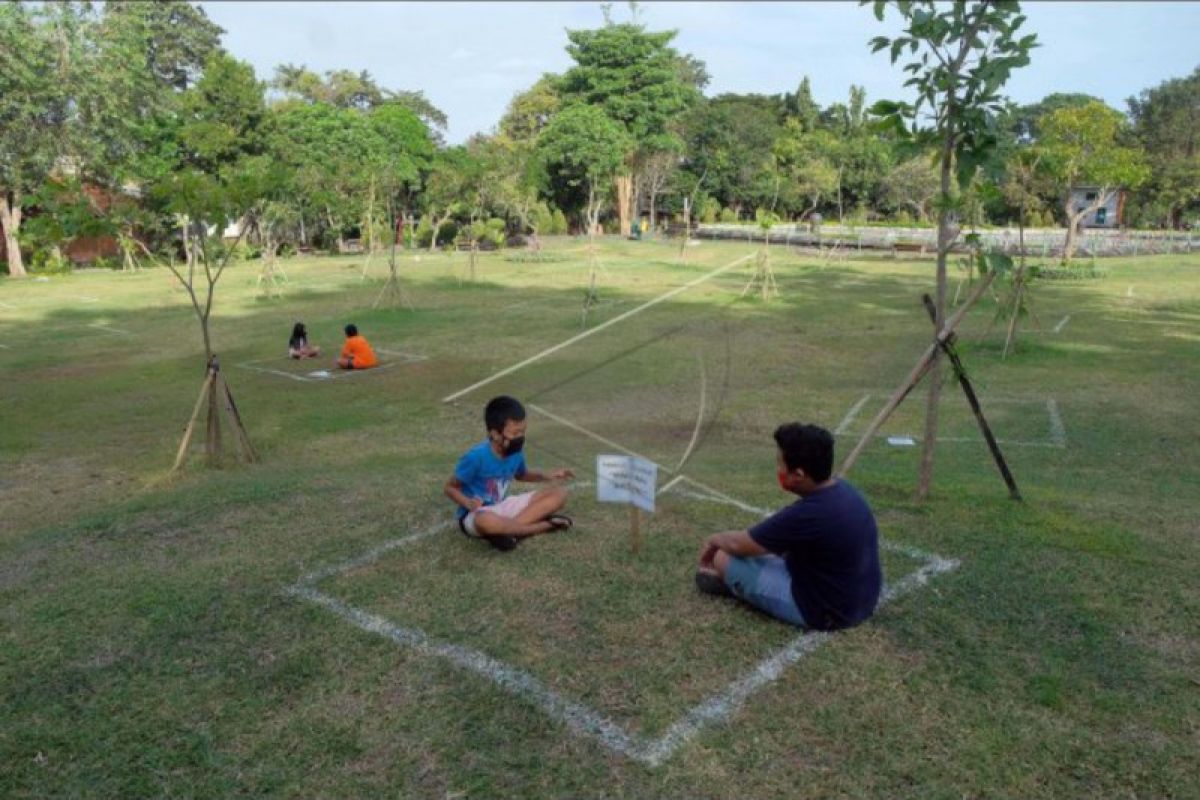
814,563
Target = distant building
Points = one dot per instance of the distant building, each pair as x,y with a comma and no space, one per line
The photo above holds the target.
1108,215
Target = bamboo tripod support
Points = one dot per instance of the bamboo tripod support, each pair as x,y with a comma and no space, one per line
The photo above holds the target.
219,396
923,365
961,373
392,289
763,277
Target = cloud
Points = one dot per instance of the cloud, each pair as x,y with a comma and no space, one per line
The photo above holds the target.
461,54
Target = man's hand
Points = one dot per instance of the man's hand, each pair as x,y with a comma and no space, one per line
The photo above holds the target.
474,504
708,552
564,474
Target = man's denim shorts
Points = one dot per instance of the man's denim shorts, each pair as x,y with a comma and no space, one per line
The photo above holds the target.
765,583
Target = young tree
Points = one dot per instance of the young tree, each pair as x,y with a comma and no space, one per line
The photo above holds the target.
1083,146
222,177
962,56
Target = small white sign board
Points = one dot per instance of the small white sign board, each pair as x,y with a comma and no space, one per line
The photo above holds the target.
626,479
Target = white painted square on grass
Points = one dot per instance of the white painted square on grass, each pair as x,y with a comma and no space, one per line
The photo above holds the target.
319,375
582,720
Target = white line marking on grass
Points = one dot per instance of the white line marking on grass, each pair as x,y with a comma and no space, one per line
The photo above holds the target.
850,415
1129,291
85,298
405,358
699,417
1062,323
666,487
580,429
4,347
579,718
610,443
7,305
100,326
580,336
582,720
1058,433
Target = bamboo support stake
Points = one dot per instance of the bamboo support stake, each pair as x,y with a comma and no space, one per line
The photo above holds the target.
915,375
961,373
191,426
241,437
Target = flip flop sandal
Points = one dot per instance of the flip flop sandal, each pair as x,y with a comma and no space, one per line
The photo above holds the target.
561,522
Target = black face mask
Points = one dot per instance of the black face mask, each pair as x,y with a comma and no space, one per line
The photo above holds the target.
514,446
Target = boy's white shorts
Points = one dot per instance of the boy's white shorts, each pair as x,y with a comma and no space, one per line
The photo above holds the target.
509,508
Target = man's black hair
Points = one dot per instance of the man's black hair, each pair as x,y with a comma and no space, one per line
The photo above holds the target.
806,447
500,410
352,329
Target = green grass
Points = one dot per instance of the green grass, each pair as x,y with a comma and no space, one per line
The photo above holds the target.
147,647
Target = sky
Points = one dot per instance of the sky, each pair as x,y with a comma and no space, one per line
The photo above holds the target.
470,58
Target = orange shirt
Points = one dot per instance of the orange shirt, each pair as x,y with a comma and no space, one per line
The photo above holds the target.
364,356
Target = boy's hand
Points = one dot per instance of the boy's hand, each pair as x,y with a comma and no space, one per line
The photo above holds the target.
707,553
474,504
562,474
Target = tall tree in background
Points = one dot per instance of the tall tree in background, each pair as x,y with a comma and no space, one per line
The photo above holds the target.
1167,124
963,54
584,149
530,111
802,106
42,73
344,88
638,80
1083,146
728,144
178,38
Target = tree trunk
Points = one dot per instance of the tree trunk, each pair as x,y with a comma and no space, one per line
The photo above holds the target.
945,219
1076,219
437,228
653,210
10,220
624,184
841,216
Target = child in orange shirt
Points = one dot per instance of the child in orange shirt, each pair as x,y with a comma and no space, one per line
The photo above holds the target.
356,353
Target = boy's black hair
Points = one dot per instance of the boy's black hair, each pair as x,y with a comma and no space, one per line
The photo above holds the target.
806,447
352,329
500,410
299,331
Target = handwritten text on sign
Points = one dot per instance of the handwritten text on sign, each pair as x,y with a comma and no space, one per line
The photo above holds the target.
626,479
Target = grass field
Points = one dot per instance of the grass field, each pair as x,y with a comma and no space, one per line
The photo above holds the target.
152,643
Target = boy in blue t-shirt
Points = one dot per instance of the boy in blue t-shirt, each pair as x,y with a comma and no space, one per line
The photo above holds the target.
481,479
814,563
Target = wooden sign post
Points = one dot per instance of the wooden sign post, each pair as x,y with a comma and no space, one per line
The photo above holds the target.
628,479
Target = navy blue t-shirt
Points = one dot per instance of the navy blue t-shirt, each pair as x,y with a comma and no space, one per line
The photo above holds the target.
831,547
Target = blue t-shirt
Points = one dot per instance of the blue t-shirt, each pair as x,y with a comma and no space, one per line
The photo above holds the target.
485,475
831,546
